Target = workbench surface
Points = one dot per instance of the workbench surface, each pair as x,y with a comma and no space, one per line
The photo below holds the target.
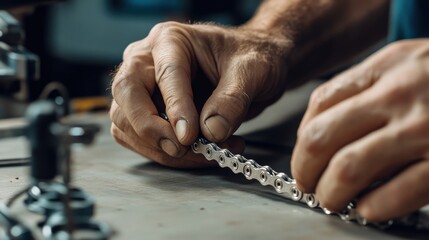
142,200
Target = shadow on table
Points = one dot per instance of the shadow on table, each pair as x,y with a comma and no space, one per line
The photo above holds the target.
217,179
171,179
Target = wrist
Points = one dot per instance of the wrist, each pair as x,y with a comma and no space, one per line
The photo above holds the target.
271,26
285,42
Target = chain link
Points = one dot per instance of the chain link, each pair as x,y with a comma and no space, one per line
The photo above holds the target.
284,185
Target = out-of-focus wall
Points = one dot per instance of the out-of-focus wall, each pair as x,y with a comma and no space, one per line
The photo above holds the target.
93,31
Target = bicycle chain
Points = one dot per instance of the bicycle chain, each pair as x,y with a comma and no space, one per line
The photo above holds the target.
284,185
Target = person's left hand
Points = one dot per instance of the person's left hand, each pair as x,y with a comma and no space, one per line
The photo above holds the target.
370,124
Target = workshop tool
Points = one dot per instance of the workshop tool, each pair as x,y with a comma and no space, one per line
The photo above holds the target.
19,68
286,187
67,210
20,81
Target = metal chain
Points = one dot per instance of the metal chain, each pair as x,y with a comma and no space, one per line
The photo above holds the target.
283,184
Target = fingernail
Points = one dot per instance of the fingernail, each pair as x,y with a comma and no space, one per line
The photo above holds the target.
181,127
217,126
169,147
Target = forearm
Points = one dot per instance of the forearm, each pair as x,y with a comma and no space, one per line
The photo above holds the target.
324,33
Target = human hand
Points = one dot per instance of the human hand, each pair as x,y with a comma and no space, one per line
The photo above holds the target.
247,69
370,124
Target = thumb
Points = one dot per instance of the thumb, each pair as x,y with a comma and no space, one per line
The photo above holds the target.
227,107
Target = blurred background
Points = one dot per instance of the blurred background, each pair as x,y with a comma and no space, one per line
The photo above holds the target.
79,42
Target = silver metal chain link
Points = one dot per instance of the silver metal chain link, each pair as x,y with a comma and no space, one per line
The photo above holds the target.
284,185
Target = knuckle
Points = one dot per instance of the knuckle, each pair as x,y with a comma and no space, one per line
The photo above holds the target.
394,95
167,28
157,29
392,51
400,136
317,100
398,46
116,133
414,130
120,86
119,120
138,52
130,49
417,130
169,64
113,111
343,171
310,139
131,74
397,92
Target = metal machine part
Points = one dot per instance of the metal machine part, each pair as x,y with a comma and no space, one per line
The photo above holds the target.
19,69
286,186
67,210
11,32
47,199
73,133
15,230
43,143
56,229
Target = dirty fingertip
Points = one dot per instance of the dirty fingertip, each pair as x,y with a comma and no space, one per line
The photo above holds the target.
217,128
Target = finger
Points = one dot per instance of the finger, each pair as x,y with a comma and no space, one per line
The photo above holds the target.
229,103
361,163
354,80
321,138
118,118
117,135
341,87
406,193
172,54
134,143
132,93
188,160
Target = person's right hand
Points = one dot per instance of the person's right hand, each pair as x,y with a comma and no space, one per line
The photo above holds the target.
246,67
